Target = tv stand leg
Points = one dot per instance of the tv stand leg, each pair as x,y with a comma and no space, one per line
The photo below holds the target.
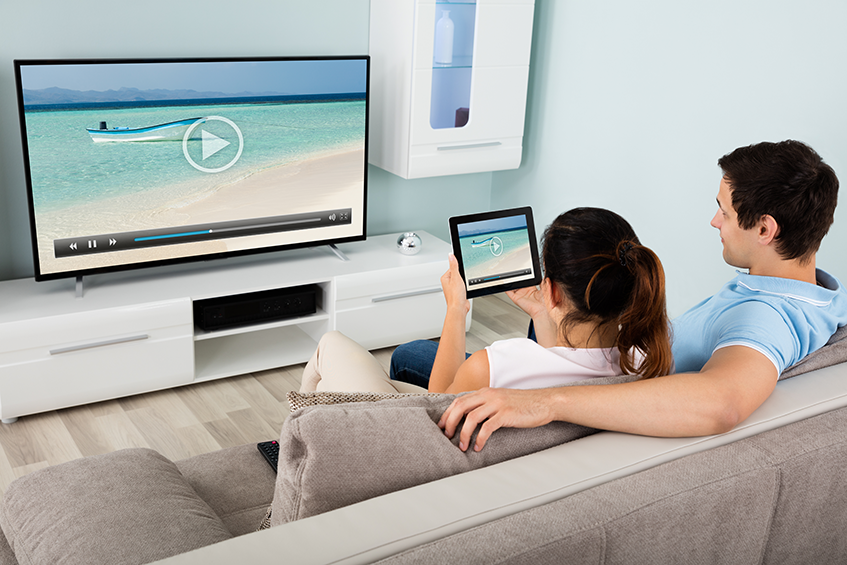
79,288
8,421
338,252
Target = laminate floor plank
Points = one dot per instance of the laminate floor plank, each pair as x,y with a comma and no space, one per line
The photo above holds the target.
252,427
82,426
7,474
120,431
106,407
226,433
263,402
212,400
159,436
280,381
170,406
20,447
60,445
197,440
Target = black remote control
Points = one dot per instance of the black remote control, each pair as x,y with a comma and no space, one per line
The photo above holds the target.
270,451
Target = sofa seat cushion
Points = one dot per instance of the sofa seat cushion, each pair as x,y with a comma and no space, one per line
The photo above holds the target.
130,506
237,483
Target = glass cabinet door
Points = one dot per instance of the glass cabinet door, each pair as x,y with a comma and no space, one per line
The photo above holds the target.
452,63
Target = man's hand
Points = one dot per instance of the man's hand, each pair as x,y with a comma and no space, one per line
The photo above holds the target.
494,408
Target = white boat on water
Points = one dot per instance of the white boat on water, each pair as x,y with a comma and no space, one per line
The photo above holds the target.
483,243
171,131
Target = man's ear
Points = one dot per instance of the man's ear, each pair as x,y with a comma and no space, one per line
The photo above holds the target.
768,229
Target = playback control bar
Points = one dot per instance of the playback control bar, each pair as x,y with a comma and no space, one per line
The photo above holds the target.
500,277
107,243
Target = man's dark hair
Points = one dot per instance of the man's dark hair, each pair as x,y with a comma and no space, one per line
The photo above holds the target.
788,181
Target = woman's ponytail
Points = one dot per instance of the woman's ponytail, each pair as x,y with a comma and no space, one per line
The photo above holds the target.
643,325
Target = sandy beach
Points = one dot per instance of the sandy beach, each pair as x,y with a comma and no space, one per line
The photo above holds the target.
325,182
514,260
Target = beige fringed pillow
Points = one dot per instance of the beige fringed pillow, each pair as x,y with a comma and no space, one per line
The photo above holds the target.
297,400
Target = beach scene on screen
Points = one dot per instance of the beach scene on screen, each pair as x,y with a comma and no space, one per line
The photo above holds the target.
492,248
299,152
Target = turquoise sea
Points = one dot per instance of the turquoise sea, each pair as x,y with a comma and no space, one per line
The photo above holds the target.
480,261
69,169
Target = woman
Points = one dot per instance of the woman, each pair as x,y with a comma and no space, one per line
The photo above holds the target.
599,311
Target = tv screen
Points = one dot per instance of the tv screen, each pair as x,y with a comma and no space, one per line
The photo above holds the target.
134,163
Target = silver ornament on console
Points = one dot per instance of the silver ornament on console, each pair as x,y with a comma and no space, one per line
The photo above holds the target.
409,243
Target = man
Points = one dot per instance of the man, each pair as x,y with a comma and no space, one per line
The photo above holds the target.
776,201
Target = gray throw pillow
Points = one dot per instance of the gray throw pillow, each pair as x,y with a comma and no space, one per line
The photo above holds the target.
298,400
335,455
835,351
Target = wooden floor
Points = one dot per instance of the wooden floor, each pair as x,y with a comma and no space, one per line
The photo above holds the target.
194,419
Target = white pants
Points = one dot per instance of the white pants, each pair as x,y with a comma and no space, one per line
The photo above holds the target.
342,365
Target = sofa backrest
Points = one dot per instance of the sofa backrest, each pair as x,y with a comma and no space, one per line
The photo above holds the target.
390,525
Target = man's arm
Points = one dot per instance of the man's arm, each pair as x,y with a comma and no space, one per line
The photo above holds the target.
734,382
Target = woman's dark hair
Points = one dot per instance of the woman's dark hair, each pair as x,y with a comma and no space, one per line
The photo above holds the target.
789,182
595,258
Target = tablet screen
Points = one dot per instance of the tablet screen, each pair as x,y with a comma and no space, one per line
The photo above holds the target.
497,251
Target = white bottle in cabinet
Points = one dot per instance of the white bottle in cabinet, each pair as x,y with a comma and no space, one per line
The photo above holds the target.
429,118
444,39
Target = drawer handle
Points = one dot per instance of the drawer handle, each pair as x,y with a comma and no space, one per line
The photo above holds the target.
405,294
469,146
98,344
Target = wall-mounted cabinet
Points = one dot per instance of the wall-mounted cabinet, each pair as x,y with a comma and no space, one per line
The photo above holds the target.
448,85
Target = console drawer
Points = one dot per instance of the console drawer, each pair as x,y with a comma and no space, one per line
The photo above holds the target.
392,321
387,283
60,361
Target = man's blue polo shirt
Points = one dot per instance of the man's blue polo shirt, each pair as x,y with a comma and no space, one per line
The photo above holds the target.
783,319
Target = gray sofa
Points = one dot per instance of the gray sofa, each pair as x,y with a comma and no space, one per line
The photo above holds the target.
770,491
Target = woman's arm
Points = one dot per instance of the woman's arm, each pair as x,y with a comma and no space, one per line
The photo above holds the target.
451,346
474,374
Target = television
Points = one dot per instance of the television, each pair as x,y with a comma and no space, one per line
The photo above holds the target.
140,162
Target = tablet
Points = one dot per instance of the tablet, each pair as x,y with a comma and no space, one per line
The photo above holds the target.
497,251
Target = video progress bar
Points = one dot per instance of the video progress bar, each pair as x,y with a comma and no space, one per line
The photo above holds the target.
500,277
107,243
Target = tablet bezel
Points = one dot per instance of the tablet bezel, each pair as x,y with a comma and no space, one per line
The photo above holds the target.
524,211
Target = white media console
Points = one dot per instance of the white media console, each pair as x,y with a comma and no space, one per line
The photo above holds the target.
133,332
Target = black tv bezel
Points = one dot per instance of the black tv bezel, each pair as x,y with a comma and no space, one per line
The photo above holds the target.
41,277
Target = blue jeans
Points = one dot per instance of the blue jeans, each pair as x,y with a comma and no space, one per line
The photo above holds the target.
412,362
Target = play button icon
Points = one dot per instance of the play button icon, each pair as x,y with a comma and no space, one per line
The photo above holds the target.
496,246
212,144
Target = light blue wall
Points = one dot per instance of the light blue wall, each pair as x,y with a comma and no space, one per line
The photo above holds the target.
179,28
632,103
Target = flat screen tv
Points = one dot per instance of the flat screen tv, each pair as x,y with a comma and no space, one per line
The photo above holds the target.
136,163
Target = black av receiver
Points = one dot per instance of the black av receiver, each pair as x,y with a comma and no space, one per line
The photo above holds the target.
255,307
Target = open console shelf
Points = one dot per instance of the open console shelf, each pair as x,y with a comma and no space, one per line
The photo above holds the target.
134,332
